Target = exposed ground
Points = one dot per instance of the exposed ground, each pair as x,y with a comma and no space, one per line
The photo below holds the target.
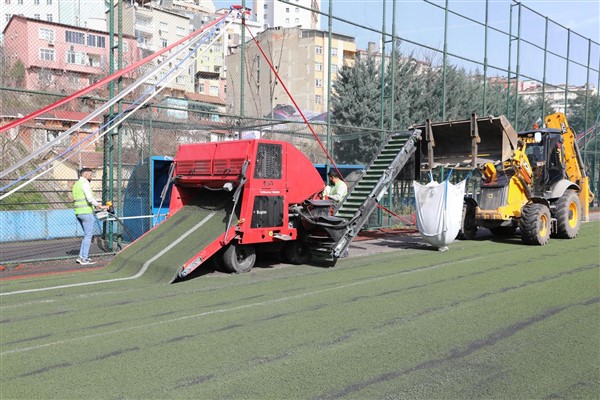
490,318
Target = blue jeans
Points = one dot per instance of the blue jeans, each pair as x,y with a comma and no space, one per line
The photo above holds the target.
87,224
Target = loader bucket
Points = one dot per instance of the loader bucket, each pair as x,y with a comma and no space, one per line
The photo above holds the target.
467,143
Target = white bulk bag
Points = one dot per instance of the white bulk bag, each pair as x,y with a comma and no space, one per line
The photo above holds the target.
439,211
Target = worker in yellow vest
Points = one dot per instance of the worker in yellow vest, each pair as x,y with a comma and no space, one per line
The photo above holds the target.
85,203
337,188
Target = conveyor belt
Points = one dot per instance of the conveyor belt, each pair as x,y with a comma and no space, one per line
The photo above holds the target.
159,254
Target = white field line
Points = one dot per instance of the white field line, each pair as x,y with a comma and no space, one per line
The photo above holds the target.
244,306
140,272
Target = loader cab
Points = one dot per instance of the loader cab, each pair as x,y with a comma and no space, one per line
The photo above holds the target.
546,156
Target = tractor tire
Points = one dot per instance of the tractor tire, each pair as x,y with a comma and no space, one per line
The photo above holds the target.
296,252
567,212
239,258
535,224
468,229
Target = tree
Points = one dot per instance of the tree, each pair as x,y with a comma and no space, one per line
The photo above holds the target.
355,105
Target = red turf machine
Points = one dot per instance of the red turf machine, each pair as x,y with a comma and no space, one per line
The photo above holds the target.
264,195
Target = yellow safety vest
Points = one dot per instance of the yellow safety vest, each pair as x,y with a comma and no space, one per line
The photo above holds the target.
81,204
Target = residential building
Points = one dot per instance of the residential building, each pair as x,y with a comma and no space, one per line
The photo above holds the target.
43,10
556,95
156,27
301,58
296,13
58,57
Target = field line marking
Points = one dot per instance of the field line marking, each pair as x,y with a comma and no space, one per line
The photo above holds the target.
140,272
244,306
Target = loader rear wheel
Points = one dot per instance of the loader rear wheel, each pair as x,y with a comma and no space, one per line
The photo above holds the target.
296,252
239,258
535,224
568,215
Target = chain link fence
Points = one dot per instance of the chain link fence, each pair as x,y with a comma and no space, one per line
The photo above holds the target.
356,80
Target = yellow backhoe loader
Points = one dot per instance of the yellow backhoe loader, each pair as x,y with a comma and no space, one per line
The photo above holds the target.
533,180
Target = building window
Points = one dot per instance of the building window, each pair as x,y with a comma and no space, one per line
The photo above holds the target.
125,46
214,90
318,99
266,7
76,57
46,34
163,42
6,1
287,10
297,20
334,52
180,30
287,20
318,49
45,76
297,10
318,82
49,2
7,17
47,54
49,17
36,16
20,2
318,67
36,2
334,69
200,87
74,37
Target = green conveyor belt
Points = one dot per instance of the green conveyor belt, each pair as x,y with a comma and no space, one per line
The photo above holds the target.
132,259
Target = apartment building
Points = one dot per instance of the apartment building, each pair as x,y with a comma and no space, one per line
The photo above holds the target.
301,59
295,13
44,10
58,57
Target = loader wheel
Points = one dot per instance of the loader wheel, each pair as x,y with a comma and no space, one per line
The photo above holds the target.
535,224
568,215
468,229
296,252
239,258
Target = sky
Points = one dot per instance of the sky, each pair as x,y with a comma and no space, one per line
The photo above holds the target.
421,23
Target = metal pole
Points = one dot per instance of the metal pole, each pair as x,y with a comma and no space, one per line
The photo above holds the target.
485,60
567,73
119,131
392,98
329,135
545,69
242,61
382,110
393,72
445,61
382,100
518,75
587,98
510,39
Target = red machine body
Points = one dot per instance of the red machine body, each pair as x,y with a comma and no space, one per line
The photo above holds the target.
262,178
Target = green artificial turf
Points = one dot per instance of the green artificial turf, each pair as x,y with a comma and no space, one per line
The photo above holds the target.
487,319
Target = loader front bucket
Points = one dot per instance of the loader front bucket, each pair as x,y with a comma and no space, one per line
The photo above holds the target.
467,143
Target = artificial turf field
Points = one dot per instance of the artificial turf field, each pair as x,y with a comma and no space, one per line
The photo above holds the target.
487,319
